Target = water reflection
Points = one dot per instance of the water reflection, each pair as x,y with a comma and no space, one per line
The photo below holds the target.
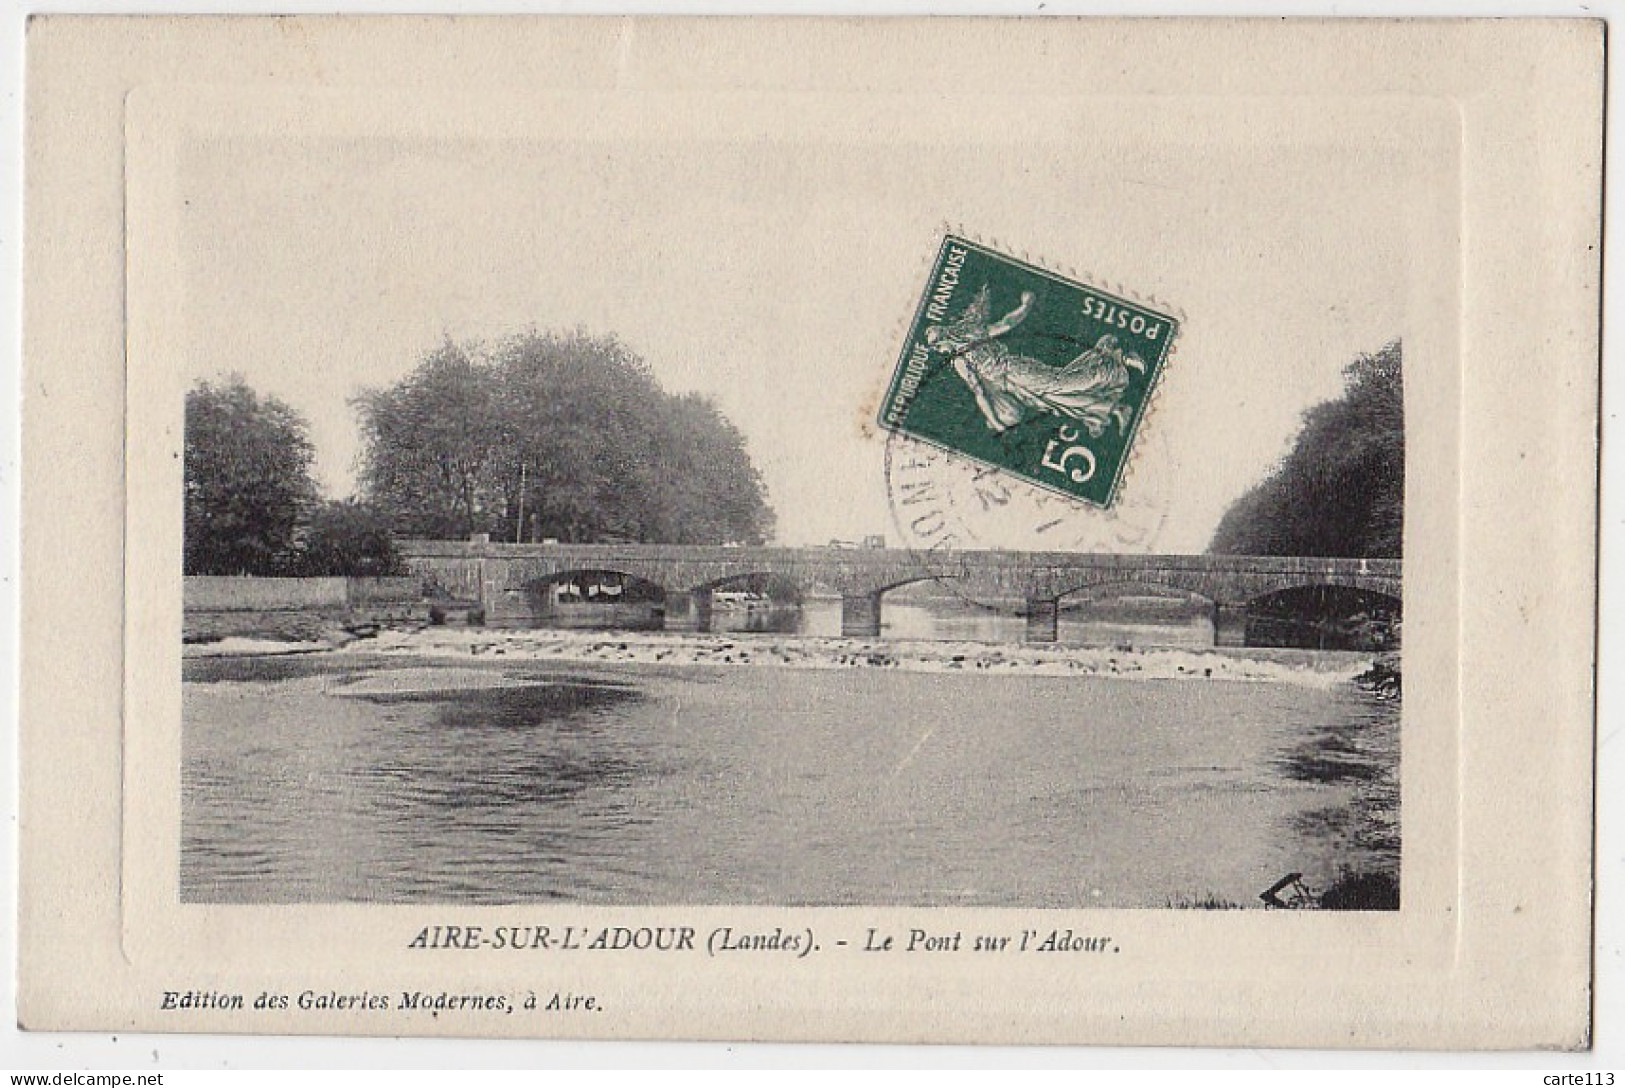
542,761
967,621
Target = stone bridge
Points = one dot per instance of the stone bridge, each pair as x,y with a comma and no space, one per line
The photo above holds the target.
505,578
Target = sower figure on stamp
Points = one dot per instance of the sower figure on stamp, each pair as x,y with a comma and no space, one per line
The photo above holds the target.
1010,387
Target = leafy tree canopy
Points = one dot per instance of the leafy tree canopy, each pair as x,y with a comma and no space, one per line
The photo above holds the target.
1340,491
345,537
549,435
247,480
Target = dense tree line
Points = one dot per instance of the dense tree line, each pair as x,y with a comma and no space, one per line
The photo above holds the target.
555,436
251,506
1340,491
547,436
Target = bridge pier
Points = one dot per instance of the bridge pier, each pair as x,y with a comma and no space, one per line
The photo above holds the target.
1229,625
1043,619
690,611
860,615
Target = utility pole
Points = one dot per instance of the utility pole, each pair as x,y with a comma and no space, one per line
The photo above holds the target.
519,524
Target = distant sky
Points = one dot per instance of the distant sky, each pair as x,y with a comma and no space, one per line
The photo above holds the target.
776,275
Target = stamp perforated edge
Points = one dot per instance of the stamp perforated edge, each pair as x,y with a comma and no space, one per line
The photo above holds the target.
904,324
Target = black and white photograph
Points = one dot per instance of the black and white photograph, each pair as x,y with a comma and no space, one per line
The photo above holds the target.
538,547
955,530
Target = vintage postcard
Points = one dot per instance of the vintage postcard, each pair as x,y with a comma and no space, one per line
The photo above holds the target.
965,531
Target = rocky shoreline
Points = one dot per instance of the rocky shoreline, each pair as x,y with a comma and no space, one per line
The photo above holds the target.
1383,677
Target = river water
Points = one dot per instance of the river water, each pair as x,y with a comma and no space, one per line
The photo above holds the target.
344,778
965,621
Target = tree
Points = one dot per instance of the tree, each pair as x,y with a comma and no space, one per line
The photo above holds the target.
565,436
1340,491
431,442
346,538
247,480
582,413
703,488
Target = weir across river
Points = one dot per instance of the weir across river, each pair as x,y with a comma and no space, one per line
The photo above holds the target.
508,580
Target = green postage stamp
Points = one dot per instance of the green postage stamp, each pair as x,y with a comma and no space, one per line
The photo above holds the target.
1027,371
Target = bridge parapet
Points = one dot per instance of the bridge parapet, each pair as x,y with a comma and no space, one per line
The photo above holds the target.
689,573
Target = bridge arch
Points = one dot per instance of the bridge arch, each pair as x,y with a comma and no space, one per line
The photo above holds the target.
1325,615
752,580
898,582
1185,607
695,608
1174,588
1387,588
577,597
584,575
1044,610
861,604
513,574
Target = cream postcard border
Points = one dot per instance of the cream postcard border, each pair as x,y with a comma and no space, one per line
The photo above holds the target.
1511,873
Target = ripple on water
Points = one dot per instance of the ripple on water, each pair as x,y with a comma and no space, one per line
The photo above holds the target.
423,781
